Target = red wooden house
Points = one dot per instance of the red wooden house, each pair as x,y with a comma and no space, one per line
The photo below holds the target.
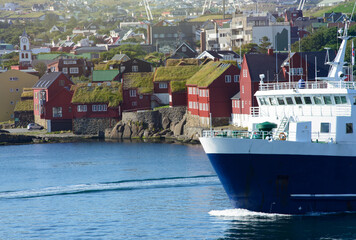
52,102
137,91
210,91
96,106
170,84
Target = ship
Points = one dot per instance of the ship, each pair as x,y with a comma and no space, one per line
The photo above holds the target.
298,155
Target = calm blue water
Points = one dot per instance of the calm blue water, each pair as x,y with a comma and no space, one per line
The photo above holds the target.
116,190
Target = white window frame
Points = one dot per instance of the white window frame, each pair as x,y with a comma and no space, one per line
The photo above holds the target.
134,68
163,85
132,92
82,108
65,70
57,112
244,73
73,70
236,78
227,78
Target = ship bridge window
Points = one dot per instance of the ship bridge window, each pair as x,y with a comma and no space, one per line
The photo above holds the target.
289,101
263,101
280,101
273,101
307,100
298,100
349,128
317,100
340,99
324,127
327,100
354,100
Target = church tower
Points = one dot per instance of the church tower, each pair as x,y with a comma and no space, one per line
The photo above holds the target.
25,57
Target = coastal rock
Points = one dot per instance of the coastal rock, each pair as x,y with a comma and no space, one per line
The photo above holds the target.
127,132
166,123
146,133
135,130
178,129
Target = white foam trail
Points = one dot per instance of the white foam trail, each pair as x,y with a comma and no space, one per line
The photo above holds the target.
244,214
128,185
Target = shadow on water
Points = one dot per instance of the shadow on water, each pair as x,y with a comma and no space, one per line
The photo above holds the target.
318,226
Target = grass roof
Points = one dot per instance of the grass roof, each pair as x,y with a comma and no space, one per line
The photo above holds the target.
184,61
98,93
27,93
208,74
178,86
24,106
143,81
175,73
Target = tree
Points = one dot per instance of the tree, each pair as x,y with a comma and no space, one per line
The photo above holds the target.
246,48
265,44
41,68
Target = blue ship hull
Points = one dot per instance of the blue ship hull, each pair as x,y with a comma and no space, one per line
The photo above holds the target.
288,184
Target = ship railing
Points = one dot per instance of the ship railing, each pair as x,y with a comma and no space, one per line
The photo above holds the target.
237,134
293,85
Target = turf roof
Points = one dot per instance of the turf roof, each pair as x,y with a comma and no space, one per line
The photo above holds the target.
143,81
208,74
185,61
175,73
86,93
27,93
24,106
178,86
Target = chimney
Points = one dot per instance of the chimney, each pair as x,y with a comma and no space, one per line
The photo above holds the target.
149,39
270,52
202,41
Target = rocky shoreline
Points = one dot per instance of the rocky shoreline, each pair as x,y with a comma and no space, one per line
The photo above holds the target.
166,124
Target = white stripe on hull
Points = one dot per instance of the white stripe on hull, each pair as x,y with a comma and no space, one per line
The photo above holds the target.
260,146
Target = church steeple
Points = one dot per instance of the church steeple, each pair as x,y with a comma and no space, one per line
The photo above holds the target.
25,54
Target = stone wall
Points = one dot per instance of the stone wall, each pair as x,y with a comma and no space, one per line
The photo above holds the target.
92,126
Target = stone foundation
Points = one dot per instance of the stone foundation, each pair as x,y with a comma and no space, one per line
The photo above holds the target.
92,126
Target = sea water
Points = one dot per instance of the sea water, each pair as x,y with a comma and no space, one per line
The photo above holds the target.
134,190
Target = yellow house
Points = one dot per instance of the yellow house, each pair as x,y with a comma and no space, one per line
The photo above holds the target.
12,83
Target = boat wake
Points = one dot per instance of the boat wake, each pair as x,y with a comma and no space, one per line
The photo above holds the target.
125,185
245,215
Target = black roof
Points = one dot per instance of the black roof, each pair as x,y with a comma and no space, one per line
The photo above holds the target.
321,58
47,80
265,64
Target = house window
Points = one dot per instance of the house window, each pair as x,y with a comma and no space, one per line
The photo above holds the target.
99,108
134,104
57,111
244,72
65,70
82,108
236,78
14,78
122,68
324,127
242,104
11,89
349,128
190,104
132,92
207,93
184,49
141,97
190,90
135,68
17,90
61,82
162,85
73,70
12,102
228,78
243,89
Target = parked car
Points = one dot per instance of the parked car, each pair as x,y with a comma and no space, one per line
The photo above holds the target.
34,126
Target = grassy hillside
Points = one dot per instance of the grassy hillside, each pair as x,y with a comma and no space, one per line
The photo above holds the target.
342,7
